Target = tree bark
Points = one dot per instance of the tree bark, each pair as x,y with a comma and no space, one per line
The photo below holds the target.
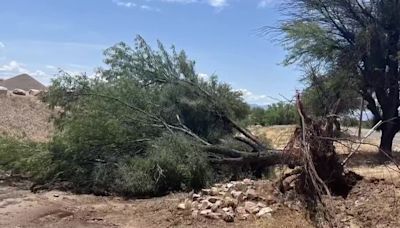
389,131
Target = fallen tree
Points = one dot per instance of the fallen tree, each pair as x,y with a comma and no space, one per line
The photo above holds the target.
150,118
149,124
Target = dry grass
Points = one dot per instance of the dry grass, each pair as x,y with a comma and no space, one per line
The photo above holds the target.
365,162
25,118
277,136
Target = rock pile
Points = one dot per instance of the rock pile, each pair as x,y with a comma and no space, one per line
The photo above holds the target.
19,92
235,200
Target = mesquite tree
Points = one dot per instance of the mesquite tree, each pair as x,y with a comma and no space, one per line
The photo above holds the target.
359,38
148,124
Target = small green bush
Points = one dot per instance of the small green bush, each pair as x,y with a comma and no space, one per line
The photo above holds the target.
280,113
25,157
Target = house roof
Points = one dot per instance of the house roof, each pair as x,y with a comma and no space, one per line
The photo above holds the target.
22,81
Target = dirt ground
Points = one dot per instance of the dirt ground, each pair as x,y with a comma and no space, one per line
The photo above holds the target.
21,208
373,202
25,118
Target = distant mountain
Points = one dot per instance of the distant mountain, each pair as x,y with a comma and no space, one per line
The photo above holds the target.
22,81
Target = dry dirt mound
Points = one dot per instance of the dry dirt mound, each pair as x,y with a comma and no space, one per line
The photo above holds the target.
25,118
371,203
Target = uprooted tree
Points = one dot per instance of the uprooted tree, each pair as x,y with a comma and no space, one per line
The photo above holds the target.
148,124
357,38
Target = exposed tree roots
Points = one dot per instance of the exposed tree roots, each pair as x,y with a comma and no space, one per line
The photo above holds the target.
321,172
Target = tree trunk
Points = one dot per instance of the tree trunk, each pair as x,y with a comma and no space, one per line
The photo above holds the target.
388,132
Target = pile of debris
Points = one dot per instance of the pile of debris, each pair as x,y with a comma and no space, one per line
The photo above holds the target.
235,200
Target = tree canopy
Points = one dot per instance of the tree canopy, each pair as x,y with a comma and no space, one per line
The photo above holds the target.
355,38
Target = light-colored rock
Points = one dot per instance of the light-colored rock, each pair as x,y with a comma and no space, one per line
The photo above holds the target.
264,212
241,213
19,92
205,191
230,202
223,193
237,195
205,205
216,206
34,92
182,206
190,195
261,205
228,216
214,191
194,205
251,207
188,204
210,214
241,210
353,224
243,216
248,181
270,199
251,194
229,185
240,186
205,212
196,197
195,213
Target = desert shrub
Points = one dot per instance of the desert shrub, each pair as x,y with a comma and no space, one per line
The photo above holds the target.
280,113
25,157
351,121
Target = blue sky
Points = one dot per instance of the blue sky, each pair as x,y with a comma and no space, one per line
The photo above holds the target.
40,36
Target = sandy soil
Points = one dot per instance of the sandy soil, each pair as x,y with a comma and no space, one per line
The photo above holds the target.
25,117
21,208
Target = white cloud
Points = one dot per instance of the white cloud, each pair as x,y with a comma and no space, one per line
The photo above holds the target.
14,68
265,3
149,8
124,3
2,45
218,3
128,4
259,99
214,3
180,1
204,76
51,67
43,73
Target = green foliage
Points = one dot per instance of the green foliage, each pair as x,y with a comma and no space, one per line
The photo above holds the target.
351,121
280,113
307,42
330,93
172,163
121,131
26,158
